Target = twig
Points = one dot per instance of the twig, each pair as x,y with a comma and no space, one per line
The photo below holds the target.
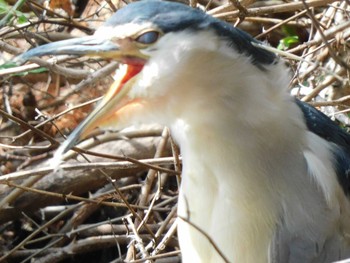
283,22
165,240
211,241
78,166
76,198
138,239
151,175
257,11
323,37
37,231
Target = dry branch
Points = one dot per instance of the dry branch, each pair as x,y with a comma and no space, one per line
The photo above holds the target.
80,209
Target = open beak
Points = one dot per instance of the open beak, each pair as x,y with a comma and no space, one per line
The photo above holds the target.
116,104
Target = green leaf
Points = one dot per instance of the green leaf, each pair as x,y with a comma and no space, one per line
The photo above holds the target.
287,42
8,12
22,18
11,64
7,65
288,30
4,7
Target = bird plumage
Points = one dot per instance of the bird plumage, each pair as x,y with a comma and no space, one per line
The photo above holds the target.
264,175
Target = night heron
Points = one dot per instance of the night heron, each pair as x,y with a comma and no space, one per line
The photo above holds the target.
265,176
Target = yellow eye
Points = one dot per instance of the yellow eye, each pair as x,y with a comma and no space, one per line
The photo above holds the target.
148,38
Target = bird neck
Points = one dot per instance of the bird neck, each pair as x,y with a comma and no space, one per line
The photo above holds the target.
227,170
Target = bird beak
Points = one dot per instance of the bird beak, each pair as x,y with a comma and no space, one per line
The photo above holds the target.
116,104
115,107
90,45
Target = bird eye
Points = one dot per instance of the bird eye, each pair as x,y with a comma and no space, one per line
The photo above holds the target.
148,38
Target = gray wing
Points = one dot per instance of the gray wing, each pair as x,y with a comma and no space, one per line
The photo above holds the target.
320,124
329,244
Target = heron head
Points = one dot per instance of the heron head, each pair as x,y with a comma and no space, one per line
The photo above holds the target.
162,47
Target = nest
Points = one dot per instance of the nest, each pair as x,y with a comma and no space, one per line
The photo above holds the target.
115,198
